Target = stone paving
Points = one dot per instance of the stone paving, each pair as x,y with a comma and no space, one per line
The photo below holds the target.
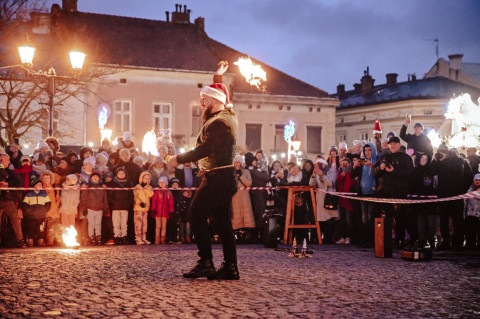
146,282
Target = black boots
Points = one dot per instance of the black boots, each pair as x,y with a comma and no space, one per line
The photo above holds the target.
204,268
228,271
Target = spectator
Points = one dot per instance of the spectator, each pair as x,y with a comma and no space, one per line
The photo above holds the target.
107,222
120,202
132,170
333,159
157,170
95,201
295,175
472,221
162,207
257,197
60,171
126,142
138,161
87,169
35,205
85,152
72,158
385,149
278,177
106,147
182,200
473,159
39,162
142,195
419,142
393,172
366,187
242,214
69,200
450,173
323,178
15,155
8,198
390,135
307,171
101,163
53,232
25,173
262,160
344,183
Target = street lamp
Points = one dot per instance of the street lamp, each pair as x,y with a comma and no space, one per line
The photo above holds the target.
27,52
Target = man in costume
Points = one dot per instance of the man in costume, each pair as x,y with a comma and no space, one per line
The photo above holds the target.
214,151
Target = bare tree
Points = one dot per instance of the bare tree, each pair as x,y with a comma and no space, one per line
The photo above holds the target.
23,94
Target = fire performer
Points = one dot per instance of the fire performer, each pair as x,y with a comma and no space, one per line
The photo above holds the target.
215,150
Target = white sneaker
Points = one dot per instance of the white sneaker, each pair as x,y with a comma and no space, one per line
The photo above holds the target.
347,241
341,241
140,242
146,241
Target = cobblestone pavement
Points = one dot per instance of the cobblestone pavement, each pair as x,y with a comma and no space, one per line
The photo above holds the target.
146,281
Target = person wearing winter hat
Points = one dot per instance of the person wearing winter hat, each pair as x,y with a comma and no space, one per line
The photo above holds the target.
157,169
126,141
162,208
35,206
242,213
87,169
101,162
142,196
69,200
214,151
42,146
38,163
85,152
419,142
121,202
262,160
95,202
132,170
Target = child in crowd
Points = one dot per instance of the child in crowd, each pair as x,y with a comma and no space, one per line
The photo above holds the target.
53,231
173,223
107,223
35,205
142,194
87,169
69,199
262,160
344,184
121,202
95,202
162,207
472,221
101,161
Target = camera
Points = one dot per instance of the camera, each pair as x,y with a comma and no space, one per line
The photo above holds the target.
438,156
363,162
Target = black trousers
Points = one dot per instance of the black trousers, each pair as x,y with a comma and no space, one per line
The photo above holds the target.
453,209
213,200
8,208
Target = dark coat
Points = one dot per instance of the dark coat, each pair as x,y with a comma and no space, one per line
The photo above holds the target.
396,183
420,144
94,199
120,199
453,177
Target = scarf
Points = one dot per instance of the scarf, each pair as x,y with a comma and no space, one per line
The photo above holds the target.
24,170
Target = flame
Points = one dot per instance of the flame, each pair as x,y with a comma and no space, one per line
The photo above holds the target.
434,138
149,144
69,237
253,73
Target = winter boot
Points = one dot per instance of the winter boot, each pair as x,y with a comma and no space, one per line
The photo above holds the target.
92,241
98,240
204,268
30,242
189,241
125,241
228,271
41,242
118,240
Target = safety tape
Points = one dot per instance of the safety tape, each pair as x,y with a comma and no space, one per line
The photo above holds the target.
427,198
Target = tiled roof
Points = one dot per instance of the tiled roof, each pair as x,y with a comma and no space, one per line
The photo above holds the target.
166,45
430,88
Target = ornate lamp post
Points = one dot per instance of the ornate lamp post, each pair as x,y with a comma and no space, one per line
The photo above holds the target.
27,52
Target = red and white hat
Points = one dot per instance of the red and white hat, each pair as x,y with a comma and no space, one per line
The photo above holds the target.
377,129
217,91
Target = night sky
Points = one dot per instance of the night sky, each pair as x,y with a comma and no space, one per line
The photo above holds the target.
327,42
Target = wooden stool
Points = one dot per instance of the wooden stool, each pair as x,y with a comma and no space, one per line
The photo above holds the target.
289,217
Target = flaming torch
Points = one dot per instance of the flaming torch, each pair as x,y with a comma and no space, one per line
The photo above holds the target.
253,73
103,114
69,237
149,144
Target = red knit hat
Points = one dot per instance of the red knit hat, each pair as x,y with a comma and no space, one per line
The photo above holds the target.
217,91
377,129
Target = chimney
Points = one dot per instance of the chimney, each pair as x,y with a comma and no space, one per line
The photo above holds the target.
367,82
414,77
357,87
455,61
168,16
181,17
200,23
340,90
392,78
69,5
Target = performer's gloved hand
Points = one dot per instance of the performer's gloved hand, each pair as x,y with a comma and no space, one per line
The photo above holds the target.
238,172
143,205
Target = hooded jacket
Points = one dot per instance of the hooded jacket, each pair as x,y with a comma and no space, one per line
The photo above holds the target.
70,196
36,204
396,183
367,184
142,194
94,199
154,173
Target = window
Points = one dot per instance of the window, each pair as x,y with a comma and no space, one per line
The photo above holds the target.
123,116
279,144
342,137
363,135
253,136
314,139
197,121
162,116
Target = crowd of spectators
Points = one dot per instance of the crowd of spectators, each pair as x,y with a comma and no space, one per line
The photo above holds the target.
87,190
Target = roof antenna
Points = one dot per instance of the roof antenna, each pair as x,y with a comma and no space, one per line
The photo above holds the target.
436,45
